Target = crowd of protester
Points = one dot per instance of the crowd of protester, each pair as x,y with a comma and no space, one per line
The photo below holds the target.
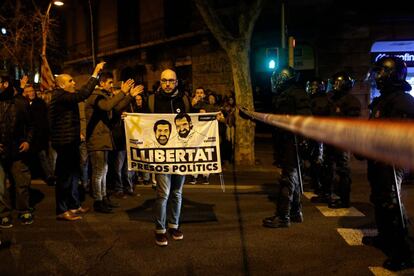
88,132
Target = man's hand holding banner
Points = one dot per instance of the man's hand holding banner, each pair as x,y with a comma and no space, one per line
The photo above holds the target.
184,144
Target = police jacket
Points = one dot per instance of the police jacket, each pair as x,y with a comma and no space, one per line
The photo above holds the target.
64,114
292,101
15,125
320,104
99,108
393,102
345,105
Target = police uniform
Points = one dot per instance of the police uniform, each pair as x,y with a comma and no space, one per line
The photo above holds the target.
291,100
320,106
336,161
394,239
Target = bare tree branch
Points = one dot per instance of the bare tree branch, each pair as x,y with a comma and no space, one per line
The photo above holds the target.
248,19
214,23
21,45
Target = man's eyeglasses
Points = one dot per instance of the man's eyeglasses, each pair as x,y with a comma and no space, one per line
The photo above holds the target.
169,81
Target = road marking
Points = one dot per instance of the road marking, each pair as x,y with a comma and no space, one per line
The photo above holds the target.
309,195
38,182
353,237
342,212
380,271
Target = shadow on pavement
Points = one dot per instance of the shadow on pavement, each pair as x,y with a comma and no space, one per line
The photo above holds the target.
35,197
191,212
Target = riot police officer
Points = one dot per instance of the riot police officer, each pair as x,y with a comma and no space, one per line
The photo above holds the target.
336,161
289,99
385,180
320,106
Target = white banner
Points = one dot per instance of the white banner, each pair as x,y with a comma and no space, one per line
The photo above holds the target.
182,144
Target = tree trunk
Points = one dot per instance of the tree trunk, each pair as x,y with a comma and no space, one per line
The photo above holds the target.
238,53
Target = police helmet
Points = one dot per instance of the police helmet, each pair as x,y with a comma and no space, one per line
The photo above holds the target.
389,70
283,78
342,81
315,85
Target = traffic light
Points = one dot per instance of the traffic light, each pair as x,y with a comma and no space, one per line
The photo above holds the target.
272,58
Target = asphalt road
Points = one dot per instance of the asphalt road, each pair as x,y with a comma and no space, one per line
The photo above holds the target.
223,234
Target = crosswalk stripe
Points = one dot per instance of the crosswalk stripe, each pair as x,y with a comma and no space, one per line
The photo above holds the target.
309,195
342,212
380,271
353,237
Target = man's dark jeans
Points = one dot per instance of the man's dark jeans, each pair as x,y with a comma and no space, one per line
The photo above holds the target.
67,173
19,175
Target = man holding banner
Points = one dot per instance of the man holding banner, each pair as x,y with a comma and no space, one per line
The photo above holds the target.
168,99
155,146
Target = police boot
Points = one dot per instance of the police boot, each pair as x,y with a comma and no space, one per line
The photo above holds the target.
320,199
276,222
296,217
338,203
375,241
268,219
397,264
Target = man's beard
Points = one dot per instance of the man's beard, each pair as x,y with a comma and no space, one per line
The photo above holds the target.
184,133
162,139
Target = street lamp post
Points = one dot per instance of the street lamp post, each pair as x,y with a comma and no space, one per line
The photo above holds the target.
92,34
45,24
46,82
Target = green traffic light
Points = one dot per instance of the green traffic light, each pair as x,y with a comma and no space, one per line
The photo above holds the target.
272,64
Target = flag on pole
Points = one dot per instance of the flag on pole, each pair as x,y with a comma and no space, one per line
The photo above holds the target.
47,82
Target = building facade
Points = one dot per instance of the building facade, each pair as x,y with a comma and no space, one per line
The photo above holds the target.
139,39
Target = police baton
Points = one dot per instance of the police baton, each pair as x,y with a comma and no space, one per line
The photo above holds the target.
298,164
397,190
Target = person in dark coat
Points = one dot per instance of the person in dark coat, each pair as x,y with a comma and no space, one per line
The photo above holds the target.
336,161
395,235
40,120
290,99
65,137
15,138
321,106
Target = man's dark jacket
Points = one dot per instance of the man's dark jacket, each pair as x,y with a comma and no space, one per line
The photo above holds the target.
64,114
169,102
39,116
15,125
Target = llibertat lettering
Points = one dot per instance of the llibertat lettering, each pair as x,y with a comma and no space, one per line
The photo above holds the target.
174,155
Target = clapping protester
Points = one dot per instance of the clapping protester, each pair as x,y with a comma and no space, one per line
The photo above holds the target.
65,136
